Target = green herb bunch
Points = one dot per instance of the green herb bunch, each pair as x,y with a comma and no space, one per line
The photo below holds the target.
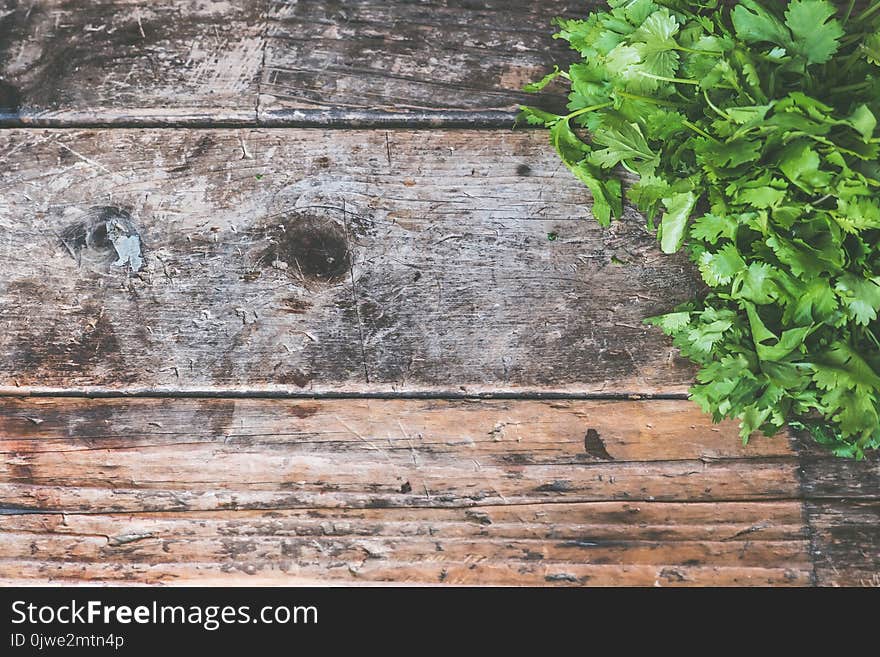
750,131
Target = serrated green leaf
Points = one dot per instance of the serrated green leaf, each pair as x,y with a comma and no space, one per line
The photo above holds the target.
816,34
710,228
607,194
719,268
871,48
536,116
766,113
671,323
567,144
673,226
535,87
759,284
761,197
729,154
863,121
861,296
754,24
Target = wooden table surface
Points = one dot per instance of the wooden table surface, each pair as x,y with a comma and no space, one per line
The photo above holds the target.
285,299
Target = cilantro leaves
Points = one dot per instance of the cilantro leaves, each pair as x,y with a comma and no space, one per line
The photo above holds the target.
752,133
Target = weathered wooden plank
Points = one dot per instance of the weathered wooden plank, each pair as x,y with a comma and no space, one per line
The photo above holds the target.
126,62
309,550
843,513
172,479
152,455
235,491
528,573
518,432
308,261
606,521
546,544
842,509
846,542
407,56
276,62
827,478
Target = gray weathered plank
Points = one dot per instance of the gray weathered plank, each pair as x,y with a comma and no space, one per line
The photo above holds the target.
118,62
842,509
407,56
128,61
846,542
837,478
309,261
277,62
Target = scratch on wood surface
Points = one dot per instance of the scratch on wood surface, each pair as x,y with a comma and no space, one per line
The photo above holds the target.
125,539
229,68
88,160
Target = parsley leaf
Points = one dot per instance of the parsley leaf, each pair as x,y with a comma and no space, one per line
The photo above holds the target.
816,34
752,131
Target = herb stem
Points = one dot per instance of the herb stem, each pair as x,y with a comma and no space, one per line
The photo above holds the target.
870,10
699,131
872,337
708,53
663,78
851,87
718,111
647,99
591,108
849,11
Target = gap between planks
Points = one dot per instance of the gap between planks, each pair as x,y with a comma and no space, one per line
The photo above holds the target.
294,120
274,393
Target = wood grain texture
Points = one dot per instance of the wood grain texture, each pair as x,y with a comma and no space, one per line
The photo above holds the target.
294,491
843,512
308,261
177,62
839,478
408,56
123,61
110,455
66,63
242,262
846,542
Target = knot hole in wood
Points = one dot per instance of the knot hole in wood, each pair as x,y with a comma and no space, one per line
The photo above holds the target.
312,229
308,247
105,235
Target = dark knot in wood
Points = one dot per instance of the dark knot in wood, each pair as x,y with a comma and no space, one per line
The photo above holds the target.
309,247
